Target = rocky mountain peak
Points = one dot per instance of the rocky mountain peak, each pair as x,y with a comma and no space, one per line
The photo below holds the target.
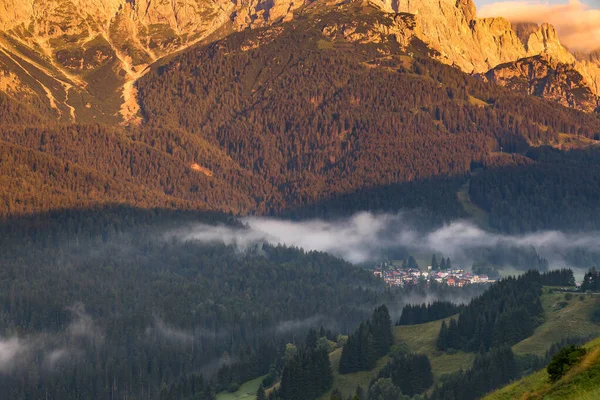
468,8
545,41
95,50
524,30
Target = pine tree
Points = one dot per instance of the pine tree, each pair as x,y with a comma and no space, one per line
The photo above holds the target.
311,339
442,341
381,329
434,264
412,263
260,393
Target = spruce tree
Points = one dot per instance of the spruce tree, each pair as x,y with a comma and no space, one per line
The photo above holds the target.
381,329
434,264
442,341
260,393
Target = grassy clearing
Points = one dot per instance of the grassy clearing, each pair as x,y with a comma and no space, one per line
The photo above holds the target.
347,383
422,339
581,382
479,215
567,141
323,44
571,318
478,102
246,392
563,318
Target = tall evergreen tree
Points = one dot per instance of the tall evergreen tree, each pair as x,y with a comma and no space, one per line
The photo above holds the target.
434,264
381,329
370,341
410,372
442,340
260,393
443,264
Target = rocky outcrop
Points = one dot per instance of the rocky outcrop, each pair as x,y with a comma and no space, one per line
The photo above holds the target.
545,41
524,30
540,76
402,27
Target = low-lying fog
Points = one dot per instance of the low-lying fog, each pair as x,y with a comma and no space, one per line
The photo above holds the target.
367,237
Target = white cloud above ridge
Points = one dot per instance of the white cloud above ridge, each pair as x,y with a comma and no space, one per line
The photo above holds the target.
577,24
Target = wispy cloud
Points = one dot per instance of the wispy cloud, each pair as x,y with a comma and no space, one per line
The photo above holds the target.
17,352
367,236
577,24
170,333
302,324
10,350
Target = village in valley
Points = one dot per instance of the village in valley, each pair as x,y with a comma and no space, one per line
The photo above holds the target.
407,272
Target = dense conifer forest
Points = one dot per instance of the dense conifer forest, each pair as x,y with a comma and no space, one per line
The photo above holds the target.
108,305
111,303
504,315
559,190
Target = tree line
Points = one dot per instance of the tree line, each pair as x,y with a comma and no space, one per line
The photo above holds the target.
413,314
504,315
489,371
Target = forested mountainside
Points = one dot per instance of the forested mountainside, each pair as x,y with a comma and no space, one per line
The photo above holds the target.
302,115
557,190
414,365
118,303
103,304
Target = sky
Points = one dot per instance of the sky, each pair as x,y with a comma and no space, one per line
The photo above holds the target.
590,3
576,21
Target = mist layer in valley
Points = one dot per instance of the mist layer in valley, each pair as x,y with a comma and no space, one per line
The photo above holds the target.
366,238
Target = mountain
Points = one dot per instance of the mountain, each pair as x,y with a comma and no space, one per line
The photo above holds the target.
82,58
343,104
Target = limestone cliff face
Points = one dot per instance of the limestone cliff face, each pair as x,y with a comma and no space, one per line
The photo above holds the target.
94,50
474,44
545,41
84,56
478,45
